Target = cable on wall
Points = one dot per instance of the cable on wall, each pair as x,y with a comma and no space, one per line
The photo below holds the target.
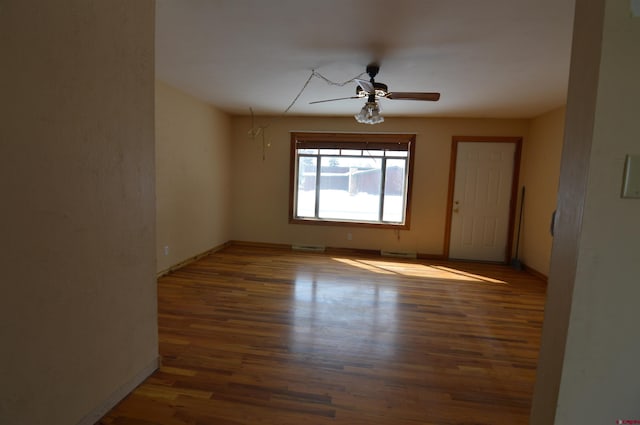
256,131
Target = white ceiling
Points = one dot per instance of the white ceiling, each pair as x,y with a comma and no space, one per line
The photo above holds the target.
489,58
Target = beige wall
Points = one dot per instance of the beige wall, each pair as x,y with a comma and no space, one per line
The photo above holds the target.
540,172
78,319
261,198
588,364
193,164
601,375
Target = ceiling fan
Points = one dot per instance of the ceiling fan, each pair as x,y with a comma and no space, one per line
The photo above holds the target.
370,113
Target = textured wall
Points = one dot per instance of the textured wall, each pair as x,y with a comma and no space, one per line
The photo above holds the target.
78,313
540,173
588,370
601,377
193,165
261,187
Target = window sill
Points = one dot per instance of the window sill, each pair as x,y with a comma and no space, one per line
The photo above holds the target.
348,223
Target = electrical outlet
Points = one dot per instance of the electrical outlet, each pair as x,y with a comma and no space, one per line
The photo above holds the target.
349,236
166,250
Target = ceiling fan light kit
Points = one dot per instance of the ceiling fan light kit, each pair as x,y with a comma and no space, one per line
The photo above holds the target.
370,113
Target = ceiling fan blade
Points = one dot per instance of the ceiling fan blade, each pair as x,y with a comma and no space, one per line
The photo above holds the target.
413,96
339,98
366,86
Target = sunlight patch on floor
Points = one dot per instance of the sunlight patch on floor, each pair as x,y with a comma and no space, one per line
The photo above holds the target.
363,265
470,275
417,270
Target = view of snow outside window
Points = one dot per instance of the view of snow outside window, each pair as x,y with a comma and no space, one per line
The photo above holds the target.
350,186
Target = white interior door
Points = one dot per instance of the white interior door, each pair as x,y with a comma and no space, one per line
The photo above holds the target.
481,201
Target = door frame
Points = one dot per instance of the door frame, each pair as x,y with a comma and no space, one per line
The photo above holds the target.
455,140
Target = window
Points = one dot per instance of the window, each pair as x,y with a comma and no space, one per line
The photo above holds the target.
355,179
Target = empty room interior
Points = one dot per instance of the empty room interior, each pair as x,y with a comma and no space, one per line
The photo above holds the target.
371,212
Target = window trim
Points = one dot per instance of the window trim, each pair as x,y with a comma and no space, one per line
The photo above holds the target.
403,141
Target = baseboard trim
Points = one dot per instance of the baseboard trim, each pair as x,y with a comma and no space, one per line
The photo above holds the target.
432,257
249,244
331,250
353,251
308,248
192,259
535,273
97,413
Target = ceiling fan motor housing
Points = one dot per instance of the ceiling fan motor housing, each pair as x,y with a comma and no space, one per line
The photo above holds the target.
380,88
372,70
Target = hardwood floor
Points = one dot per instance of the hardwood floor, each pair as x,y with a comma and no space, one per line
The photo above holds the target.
253,335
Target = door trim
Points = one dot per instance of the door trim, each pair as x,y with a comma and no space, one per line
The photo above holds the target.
514,186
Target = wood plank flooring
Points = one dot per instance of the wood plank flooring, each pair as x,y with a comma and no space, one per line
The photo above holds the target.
253,335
